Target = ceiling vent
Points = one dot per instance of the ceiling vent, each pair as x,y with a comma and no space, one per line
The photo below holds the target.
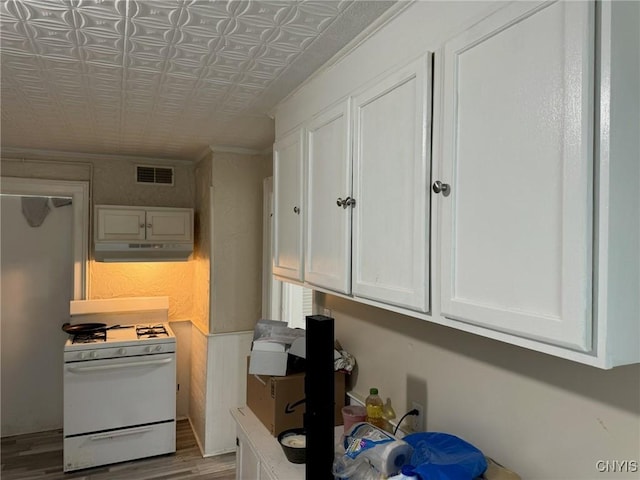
154,175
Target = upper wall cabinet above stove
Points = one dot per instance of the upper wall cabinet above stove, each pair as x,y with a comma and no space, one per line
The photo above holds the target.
144,234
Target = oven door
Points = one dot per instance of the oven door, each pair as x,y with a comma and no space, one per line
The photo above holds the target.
114,393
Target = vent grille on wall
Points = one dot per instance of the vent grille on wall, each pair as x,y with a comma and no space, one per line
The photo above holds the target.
155,175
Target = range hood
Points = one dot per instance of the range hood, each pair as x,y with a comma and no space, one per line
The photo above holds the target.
142,234
142,252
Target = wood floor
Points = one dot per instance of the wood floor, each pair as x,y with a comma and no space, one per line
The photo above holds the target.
39,456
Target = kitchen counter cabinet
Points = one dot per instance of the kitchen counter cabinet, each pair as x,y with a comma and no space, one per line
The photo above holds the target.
258,455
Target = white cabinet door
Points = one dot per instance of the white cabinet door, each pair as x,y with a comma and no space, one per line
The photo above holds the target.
247,462
169,225
288,156
517,154
120,224
391,162
327,260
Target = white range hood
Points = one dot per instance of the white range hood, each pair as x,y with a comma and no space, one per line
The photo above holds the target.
142,252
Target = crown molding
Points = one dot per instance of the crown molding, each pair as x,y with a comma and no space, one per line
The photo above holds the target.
34,154
239,150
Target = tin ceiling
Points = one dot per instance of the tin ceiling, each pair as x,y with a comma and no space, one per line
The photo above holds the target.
161,78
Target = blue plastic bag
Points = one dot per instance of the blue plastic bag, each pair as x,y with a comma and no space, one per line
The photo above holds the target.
440,456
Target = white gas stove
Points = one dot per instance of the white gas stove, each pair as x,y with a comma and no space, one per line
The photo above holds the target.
119,384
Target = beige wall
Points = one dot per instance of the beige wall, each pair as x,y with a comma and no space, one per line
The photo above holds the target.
542,416
112,181
236,264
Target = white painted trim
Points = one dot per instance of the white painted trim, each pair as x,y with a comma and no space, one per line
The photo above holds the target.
267,276
28,153
238,150
79,192
203,154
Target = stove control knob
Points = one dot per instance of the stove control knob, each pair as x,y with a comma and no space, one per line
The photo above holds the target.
158,348
121,351
93,354
82,355
148,349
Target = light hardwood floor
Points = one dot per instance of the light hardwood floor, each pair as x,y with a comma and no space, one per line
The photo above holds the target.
39,456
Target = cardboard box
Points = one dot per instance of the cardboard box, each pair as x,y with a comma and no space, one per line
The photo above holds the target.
277,401
270,347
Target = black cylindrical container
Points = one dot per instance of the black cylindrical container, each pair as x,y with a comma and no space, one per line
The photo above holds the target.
320,400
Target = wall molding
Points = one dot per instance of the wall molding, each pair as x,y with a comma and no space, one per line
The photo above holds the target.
239,150
34,154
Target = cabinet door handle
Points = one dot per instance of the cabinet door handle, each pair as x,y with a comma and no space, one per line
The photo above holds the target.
142,225
439,187
296,210
347,202
149,225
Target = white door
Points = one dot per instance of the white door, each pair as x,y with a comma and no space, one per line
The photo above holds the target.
37,284
327,260
517,138
391,165
288,154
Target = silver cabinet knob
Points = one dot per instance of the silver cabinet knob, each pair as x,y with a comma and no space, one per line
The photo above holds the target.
439,187
296,210
347,202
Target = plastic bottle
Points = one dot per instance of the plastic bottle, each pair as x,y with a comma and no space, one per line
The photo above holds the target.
375,407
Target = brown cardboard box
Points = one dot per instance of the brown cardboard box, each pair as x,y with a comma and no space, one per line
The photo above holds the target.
275,400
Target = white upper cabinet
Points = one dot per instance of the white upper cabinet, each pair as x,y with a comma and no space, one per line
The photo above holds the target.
288,158
327,261
516,195
391,174
146,224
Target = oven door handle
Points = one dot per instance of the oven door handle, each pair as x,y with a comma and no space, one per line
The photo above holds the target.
110,435
115,366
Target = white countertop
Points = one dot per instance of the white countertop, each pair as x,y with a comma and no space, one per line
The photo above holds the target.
266,445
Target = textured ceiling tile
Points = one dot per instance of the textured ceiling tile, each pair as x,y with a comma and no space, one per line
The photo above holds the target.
158,77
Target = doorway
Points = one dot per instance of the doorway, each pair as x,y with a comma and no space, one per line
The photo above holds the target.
42,268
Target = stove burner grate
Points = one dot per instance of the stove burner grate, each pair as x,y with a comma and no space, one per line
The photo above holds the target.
90,337
151,331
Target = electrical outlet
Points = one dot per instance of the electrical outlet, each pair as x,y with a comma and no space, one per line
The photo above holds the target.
417,420
326,312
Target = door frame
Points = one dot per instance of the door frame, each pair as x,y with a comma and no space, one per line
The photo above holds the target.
79,192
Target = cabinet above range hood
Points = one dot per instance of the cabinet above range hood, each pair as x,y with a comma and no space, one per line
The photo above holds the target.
142,234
